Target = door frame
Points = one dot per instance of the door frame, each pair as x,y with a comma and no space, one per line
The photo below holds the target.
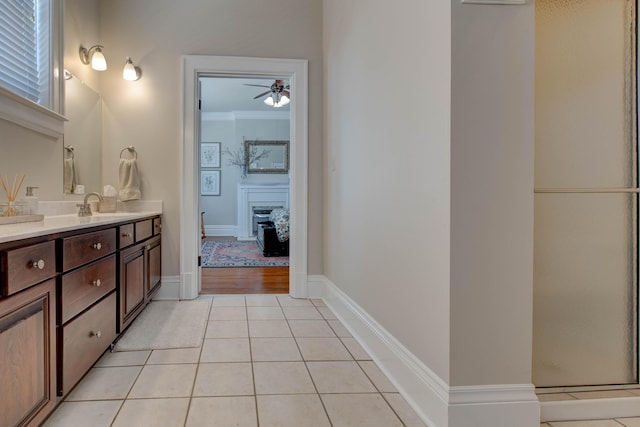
296,71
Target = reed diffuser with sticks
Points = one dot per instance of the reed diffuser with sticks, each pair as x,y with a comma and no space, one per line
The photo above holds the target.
12,193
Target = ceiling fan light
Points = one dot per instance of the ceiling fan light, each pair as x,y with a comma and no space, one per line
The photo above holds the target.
269,101
284,100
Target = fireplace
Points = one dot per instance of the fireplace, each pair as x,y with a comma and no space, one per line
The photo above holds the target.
256,196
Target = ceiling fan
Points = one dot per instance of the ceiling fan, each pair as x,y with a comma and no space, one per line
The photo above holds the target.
279,94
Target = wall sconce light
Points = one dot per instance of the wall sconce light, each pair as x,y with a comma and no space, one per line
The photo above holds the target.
93,56
131,72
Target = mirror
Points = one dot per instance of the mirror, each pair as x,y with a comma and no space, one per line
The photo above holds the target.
267,156
83,132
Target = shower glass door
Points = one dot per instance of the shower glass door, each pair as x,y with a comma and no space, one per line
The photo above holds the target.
586,203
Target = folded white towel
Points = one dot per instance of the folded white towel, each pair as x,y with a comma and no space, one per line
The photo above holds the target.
129,180
70,175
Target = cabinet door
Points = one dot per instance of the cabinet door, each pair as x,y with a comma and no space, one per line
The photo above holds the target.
132,284
154,257
27,366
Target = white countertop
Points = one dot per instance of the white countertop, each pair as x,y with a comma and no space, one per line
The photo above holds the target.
59,223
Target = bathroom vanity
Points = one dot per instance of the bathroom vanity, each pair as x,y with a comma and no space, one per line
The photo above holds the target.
68,287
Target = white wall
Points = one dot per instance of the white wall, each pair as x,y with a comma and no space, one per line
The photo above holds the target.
146,113
387,133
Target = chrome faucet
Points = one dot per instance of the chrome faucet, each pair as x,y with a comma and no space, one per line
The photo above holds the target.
85,208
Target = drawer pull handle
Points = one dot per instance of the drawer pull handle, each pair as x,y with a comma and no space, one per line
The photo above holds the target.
126,234
37,265
97,246
148,247
97,283
96,334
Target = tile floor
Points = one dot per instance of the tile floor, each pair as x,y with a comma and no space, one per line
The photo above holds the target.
266,360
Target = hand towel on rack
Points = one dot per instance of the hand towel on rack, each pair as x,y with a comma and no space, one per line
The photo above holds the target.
70,175
129,180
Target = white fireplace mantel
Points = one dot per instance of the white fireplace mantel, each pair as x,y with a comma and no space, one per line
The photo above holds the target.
251,195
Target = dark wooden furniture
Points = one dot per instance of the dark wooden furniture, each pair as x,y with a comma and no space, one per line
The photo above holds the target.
60,306
139,267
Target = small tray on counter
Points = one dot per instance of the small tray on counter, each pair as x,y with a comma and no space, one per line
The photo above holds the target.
18,219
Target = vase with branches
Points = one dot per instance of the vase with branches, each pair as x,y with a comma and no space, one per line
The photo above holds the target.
243,159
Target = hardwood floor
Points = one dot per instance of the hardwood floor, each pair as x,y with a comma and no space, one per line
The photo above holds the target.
250,280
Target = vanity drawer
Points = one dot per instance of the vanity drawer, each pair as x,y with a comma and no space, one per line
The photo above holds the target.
26,266
84,286
126,235
144,230
157,226
84,340
78,250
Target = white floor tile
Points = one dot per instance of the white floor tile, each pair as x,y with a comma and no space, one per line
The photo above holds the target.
164,381
239,411
174,356
224,379
228,301
403,410
282,378
298,410
371,410
228,313
227,329
225,350
274,350
355,348
261,301
301,313
123,358
269,329
327,313
378,378
105,383
99,413
592,423
152,413
311,329
339,328
318,302
287,301
265,313
323,349
629,422
339,377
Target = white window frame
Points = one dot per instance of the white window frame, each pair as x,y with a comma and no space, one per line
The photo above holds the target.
31,115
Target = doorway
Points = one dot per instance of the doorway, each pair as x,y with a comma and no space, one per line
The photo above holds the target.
586,195
196,66
244,183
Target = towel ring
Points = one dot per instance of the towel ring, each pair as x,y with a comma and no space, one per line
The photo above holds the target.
69,149
131,150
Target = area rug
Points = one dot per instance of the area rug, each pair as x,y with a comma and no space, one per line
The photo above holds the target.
167,324
232,253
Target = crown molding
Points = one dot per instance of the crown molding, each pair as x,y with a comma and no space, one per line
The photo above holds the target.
246,115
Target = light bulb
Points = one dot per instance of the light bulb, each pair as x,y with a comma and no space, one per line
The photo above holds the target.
98,62
269,101
129,71
284,100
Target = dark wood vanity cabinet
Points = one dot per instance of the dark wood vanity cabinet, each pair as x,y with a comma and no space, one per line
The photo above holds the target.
64,297
140,266
28,362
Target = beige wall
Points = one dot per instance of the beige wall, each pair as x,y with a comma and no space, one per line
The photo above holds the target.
492,193
387,132
146,113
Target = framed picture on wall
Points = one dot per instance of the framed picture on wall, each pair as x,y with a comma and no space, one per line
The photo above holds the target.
210,183
210,155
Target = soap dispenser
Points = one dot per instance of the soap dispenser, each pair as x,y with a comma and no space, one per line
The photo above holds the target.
31,201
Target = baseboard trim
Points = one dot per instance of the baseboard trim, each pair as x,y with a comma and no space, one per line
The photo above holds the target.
438,404
590,409
221,230
169,288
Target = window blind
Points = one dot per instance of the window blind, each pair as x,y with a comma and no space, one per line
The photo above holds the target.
25,48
